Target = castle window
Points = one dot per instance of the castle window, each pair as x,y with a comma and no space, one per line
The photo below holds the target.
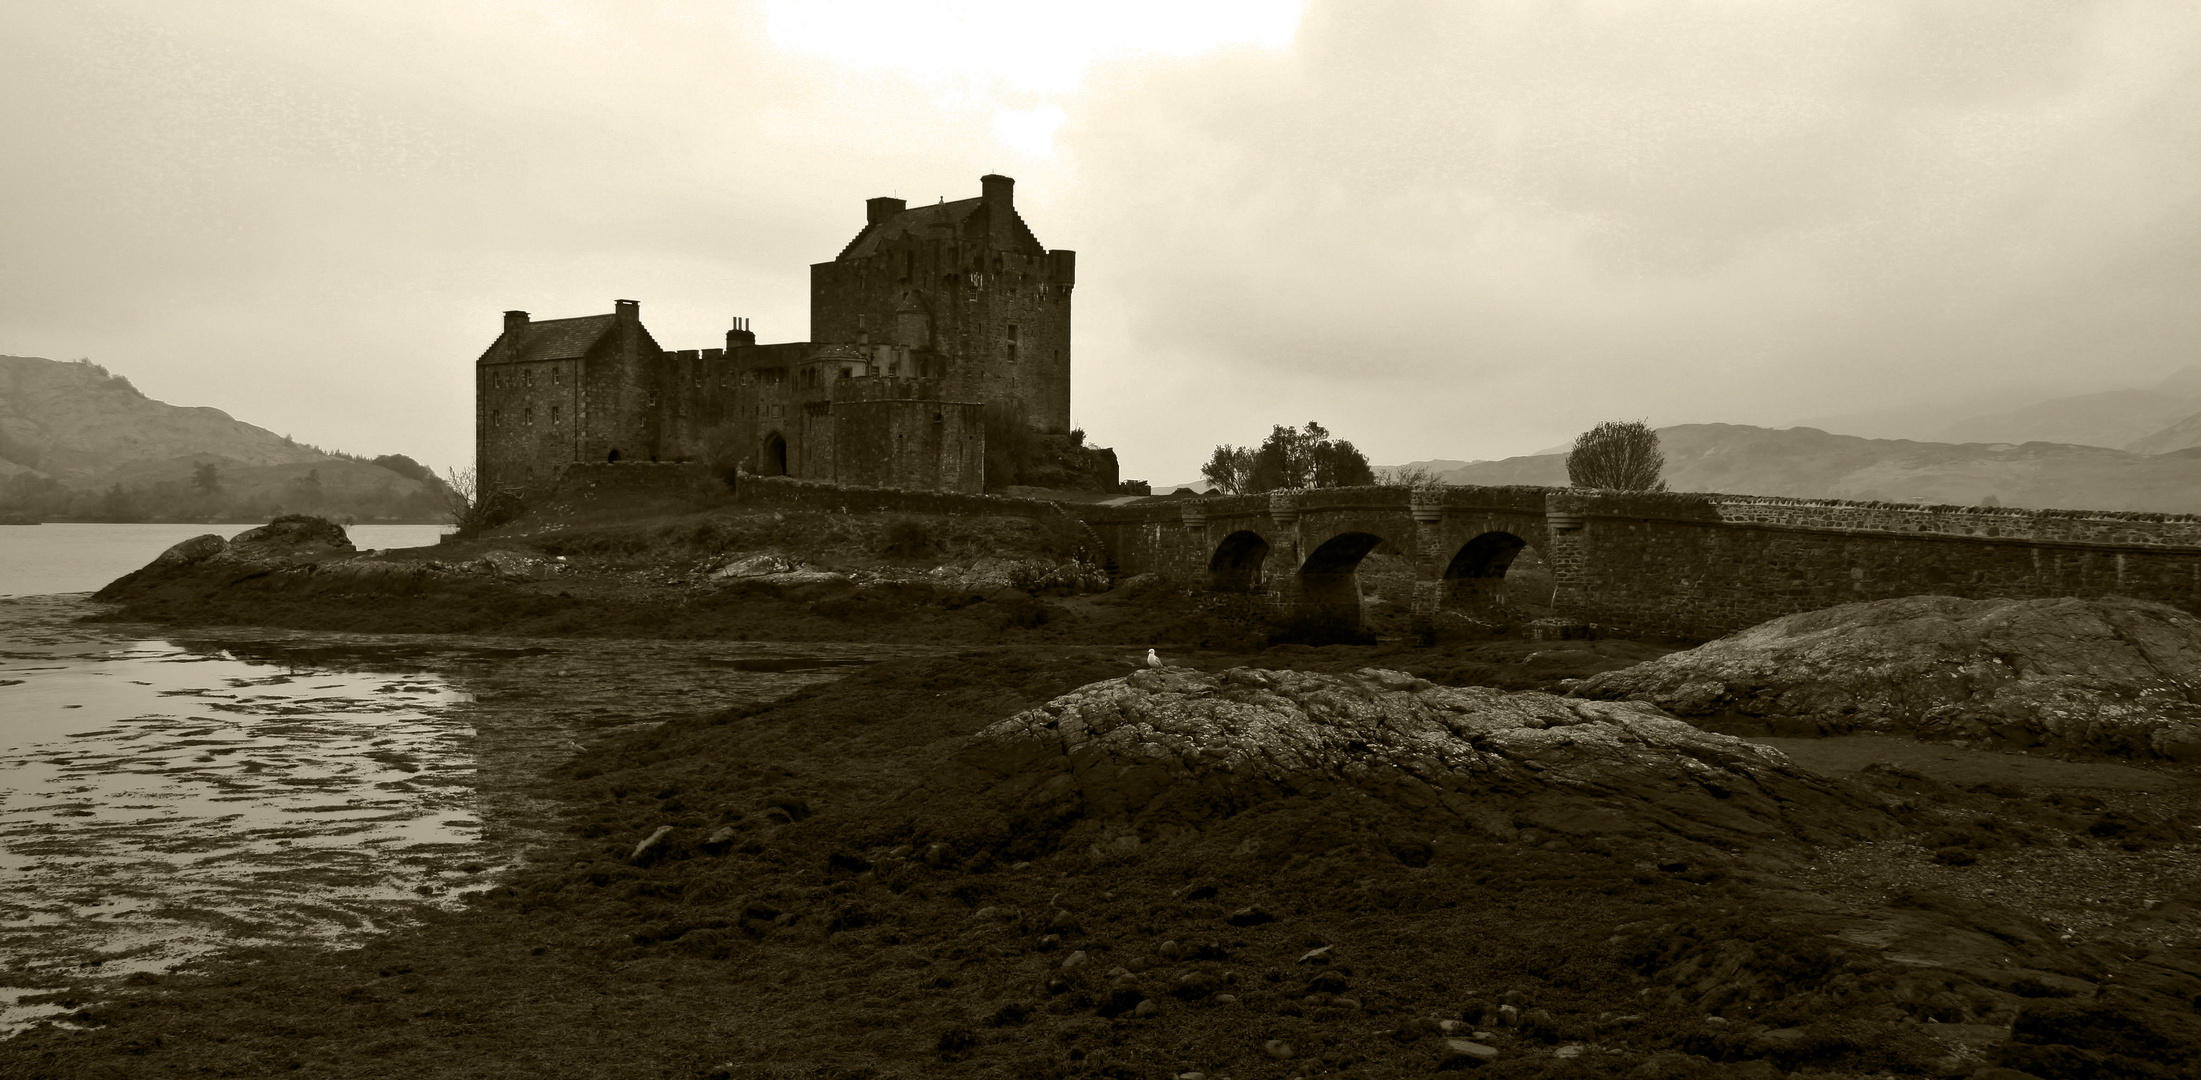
557,376
527,415
553,414
1012,343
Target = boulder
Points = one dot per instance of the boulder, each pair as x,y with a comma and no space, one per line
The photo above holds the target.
1162,753
2101,676
288,538
288,541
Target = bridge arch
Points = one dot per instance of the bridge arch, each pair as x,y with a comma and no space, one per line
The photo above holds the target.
1329,588
1476,582
1236,564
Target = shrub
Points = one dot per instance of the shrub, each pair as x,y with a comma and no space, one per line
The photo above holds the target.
1617,455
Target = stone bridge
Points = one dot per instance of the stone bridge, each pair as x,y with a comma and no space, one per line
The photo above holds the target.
1682,565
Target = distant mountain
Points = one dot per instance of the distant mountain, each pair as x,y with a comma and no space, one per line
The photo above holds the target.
1809,463
2182,435
2113,418
2108,416
78,441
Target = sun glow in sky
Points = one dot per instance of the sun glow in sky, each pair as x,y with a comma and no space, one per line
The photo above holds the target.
1021,45
1019,60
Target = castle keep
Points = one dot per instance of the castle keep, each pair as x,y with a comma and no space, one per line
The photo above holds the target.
930,323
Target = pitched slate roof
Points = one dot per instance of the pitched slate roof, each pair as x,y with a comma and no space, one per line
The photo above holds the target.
919,221
555,339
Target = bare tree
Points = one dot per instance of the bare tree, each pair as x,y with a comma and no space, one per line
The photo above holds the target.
1617,455
1413,478
474,508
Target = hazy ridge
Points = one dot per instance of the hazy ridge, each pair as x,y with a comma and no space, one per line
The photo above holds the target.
1809,463
78,441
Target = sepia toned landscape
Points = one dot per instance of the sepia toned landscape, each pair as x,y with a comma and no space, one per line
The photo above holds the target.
1622,541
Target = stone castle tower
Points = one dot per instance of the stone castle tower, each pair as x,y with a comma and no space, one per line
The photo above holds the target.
932,322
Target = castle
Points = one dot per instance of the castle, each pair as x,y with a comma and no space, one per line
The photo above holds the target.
932,325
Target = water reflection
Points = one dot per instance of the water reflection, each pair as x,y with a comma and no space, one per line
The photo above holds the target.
163,799
158,802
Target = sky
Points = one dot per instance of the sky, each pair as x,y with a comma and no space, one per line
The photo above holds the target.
1443,230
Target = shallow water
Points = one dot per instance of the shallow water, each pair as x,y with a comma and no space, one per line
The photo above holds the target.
164,798
63,557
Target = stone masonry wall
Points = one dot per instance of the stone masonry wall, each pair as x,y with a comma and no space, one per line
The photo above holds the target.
1695,565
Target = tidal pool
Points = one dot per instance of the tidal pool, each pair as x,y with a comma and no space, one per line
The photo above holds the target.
167,797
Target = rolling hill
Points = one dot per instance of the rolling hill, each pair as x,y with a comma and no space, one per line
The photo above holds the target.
1809,463
79,442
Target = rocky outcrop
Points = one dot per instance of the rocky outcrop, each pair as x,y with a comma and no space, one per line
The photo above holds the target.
287,542
302,551
1163,752
2104,676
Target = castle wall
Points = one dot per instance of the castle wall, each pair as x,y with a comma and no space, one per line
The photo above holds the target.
894,433
526,422
618,403
991,305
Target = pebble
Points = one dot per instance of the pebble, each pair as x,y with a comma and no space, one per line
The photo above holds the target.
1345,1003
1457,1052
1049,941
660,834
1226,999
1145,1008
1170,949
1570,1051
1449,1026
1509,1015
1277,1048
1074,961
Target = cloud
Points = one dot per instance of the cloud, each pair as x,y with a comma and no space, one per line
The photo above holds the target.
1443,230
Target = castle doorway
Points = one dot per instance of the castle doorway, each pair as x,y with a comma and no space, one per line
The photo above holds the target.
775,455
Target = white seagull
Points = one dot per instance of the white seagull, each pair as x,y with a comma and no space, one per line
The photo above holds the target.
1154,660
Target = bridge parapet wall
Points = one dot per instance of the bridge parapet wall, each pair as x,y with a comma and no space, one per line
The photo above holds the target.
1989,522
1700,566
1694,565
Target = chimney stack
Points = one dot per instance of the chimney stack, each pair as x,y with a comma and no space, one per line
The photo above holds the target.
998,189
882,208
515,324
740,335
629,311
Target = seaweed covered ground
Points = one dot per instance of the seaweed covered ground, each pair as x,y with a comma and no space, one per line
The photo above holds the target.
770,892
